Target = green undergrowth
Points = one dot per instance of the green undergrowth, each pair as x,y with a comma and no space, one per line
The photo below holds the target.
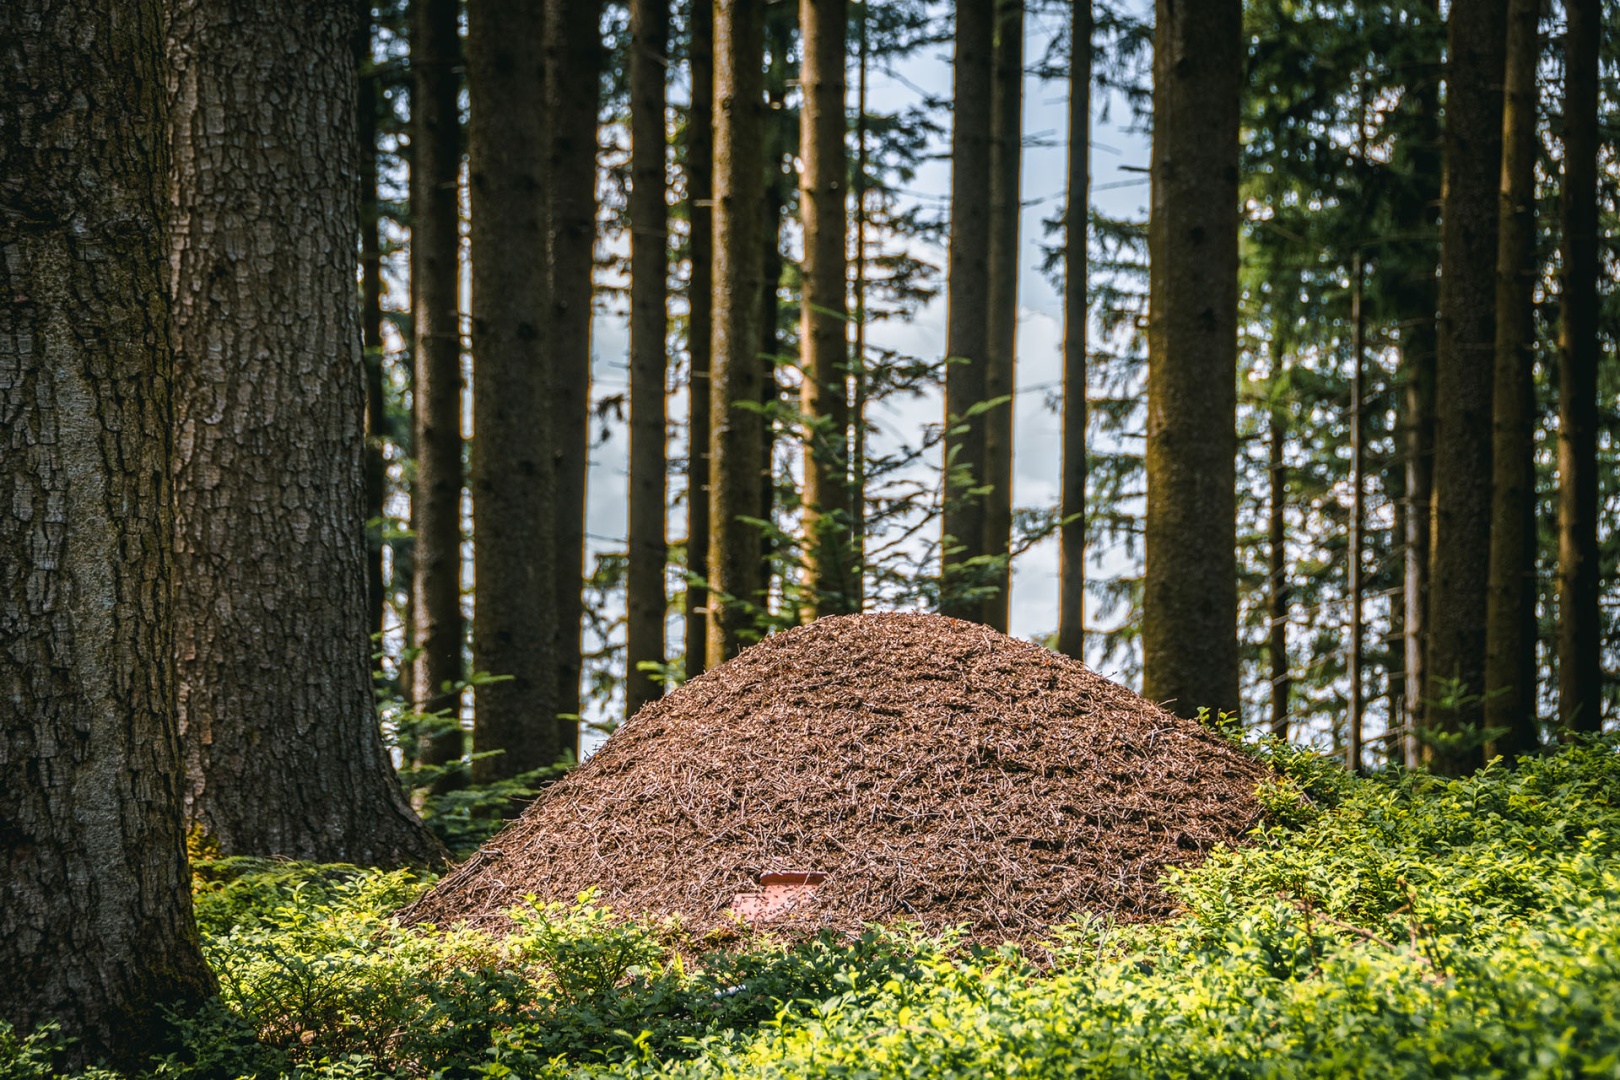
1402,925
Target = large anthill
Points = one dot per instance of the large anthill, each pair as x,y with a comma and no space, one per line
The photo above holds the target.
880,767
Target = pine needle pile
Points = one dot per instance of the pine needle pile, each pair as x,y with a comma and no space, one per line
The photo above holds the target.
935,770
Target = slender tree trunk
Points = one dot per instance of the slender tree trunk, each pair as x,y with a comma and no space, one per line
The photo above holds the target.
649,360
514,483
1419,154
1454,713
699,326
1580,629
277,718
823,337
573,47
1072,532
1358,507
1510,649
967,331
1189,597
770,387
736,577
436,317
96,930
376,419
857,363
1000,372
1278,593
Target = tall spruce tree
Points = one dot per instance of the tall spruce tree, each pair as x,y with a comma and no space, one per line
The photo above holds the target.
699,131
1189,592
1072,508
436,619
736,576
1510,642
574,56
1580,635
96,930
514,480
967,330
278,723
649,244
1006,161
1453,710
823,337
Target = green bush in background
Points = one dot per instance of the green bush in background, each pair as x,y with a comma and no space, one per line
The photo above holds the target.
1401,925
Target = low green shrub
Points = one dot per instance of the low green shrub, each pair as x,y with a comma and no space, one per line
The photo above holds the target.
1402,925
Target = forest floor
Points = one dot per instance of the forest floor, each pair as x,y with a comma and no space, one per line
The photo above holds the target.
1398,925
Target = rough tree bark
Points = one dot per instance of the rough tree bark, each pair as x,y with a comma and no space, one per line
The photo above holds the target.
1072,511
436,316
967,328
1510,639
823,337
573,72
514,482
736,576
649,243
96,931
1189,593
1000,376
699,326
277,719
1580,634
1460,555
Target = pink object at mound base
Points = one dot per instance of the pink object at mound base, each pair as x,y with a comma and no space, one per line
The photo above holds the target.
779,890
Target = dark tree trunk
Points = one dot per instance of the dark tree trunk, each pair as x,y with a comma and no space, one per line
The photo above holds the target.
1072,532
649,243
1278,594
1006,159
1189,595
857,362
699,326
277,719
1418,155
1354,583
96,931
1510,644
436,316
1580,630
514,483
573,71
770,387
371,320
1460,556
967,330
823,337
736,577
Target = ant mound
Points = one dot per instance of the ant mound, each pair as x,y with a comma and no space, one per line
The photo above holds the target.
869,768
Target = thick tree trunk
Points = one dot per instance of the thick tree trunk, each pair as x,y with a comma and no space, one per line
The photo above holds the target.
573,72
736,576
1189,596
514,481
96,932
436,316
649,261
1454,713
1510,644
371,320
1580,630
823,337
1006,160
1072,511
699,326
967,330
277,719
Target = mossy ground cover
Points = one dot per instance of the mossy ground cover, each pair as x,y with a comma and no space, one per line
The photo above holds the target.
1402,925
